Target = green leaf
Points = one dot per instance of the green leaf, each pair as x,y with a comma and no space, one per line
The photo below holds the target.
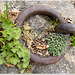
22,71
26,59
25,64
3,19
3,48
2,39
4,33
8,59
15,49
6,11
29,66
23,49
15,43
17,32
9,53
19,65
14,60
19,53
6,25
72,40
2,60
23,54
8,38
4,53
11,44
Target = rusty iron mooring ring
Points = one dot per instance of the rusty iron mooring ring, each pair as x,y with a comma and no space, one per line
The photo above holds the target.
27,13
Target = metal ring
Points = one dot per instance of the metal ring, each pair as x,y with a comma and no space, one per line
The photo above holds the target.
25,15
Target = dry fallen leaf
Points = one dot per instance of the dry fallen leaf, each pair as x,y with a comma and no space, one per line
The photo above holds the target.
9,65
69,20
29,42
27,28
47,46
51,27
39,53
13,14
43,39
42,46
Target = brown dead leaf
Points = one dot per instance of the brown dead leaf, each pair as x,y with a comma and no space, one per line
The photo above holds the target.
47,46
14,13
28,39
42,46
29,42
27,28
9,65
51,27
21,10
43,39
68,19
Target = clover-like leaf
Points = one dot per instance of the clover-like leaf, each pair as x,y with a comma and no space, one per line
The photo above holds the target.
15,49
4,53
14,60
19,65
2,60
25,64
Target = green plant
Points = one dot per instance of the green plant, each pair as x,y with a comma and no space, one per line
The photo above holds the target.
72,40
27,32
57,44
54,22
12,51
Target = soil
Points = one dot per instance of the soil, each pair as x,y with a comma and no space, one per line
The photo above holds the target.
37,43
39,47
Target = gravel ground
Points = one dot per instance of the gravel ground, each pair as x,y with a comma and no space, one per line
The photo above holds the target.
67,63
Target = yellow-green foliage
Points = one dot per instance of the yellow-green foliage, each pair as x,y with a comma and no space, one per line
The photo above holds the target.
12,51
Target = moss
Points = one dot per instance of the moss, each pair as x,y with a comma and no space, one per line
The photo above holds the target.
57,44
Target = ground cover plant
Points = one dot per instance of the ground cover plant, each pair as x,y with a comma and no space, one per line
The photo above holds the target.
57,44
12,52
72,40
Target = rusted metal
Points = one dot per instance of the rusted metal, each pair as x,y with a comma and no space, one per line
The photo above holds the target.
25,15
66,28
46,60
44,10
